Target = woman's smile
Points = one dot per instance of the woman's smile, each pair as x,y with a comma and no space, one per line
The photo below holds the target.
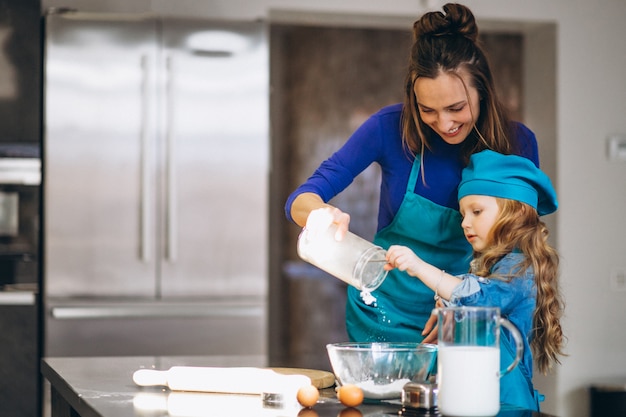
455,131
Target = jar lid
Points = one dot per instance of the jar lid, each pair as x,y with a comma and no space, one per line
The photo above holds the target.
369,270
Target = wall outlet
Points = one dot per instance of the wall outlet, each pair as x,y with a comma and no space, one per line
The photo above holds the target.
618,279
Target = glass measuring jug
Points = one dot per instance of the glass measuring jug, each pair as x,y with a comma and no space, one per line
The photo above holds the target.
469,350
354,260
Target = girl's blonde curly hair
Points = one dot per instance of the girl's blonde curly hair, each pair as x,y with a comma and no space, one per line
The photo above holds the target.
519,227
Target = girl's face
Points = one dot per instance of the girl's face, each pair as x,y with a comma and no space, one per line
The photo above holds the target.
479,213
443,105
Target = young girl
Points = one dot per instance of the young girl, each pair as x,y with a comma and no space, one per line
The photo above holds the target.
501,198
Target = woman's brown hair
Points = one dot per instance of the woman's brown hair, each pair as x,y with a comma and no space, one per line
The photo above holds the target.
448,43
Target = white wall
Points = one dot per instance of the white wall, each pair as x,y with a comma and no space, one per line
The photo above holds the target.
590,105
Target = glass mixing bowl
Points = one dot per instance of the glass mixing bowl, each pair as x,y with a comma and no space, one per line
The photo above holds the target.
381,369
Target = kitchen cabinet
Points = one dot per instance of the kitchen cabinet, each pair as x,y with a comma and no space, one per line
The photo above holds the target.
608,398
19,354
20,138
20,66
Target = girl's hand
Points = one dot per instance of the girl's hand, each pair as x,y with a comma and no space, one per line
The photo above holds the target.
404,259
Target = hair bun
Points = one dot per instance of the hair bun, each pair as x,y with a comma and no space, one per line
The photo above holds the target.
457,20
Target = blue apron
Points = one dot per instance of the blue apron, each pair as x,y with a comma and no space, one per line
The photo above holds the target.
403,303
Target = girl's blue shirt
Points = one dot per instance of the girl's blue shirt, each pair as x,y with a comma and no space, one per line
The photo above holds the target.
514,292
379,140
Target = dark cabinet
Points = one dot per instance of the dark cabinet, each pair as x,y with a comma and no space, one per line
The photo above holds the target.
608,398
19,357
20,69
20,138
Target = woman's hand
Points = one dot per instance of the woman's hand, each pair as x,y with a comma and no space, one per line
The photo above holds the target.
319,220
431,328
310,211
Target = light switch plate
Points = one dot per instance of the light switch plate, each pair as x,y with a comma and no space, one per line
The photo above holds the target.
617,147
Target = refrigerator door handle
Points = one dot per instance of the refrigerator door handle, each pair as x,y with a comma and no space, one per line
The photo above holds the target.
172,207
145,243
156,311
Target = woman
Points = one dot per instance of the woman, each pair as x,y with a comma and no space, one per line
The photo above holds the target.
450,111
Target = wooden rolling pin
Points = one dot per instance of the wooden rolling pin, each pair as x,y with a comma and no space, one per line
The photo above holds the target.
234,380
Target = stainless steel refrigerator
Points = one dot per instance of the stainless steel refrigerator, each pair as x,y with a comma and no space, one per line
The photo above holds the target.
155,179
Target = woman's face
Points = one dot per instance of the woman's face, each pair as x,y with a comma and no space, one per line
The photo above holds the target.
443,105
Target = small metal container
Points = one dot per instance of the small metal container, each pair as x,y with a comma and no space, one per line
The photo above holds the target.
422,395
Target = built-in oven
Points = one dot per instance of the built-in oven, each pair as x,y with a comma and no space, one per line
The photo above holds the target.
20,179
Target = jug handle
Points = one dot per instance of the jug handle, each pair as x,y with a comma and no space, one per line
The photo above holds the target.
519,345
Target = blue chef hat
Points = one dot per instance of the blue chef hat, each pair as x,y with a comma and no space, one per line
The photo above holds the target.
508,176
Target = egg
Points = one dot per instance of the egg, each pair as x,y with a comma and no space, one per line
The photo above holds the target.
307,396
350,395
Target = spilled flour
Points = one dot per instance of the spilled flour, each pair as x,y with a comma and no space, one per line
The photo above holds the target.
367,297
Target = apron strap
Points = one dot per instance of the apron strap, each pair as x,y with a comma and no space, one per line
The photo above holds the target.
415,171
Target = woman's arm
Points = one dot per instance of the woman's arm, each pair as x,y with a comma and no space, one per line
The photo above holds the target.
303,205
377,139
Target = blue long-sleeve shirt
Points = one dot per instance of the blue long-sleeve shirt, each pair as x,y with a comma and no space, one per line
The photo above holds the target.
379,140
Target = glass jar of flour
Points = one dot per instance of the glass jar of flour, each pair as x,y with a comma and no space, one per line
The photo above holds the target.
353,259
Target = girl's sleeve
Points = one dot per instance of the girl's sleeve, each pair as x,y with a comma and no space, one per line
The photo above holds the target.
483,292
468,288
477,291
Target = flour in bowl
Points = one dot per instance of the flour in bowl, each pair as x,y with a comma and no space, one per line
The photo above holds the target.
382,392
